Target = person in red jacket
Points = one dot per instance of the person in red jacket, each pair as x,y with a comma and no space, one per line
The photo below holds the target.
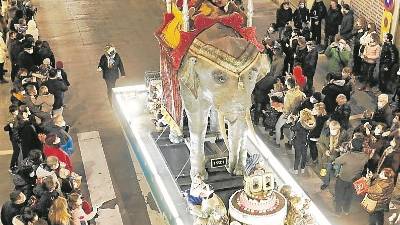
52,148
299,77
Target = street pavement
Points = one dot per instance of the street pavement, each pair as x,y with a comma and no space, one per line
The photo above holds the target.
77,31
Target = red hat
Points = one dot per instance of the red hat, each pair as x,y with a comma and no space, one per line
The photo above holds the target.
299,76
59,65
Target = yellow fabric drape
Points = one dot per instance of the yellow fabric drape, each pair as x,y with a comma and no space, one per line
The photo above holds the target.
171,32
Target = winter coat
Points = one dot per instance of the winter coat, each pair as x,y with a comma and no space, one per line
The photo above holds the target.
25,60
337,59
389,57
113,72
64,76
318,12
300,138
381,191
301,54
342,115
346,28
352,164
9,210
331,91
371,53
45,102
60,154
44,203
283,16
332,21
323,144
29,139
320,122
357,41
390,159
32,30
310,63
57,88
45,52
300,16
383,115
292,100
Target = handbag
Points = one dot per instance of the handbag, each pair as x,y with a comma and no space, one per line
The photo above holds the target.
368,204
361,186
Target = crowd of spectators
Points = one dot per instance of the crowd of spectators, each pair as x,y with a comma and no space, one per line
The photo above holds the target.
343,146
46,188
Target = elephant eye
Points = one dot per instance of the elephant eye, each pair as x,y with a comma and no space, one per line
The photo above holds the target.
220,78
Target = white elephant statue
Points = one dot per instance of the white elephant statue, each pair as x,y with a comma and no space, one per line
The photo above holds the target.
220,70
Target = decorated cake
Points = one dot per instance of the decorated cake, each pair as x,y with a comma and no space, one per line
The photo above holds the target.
258,203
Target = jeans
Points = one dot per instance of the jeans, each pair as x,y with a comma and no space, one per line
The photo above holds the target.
278,128
331,171
300,156
313,150
385,80
369,73
377,218
343,195
16,151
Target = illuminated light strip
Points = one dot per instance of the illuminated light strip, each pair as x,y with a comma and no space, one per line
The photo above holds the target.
132,122
288,179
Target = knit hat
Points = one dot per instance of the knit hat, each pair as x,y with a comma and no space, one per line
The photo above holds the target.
59,65
307,120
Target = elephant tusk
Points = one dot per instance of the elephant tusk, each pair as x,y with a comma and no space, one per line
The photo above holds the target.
222,130
250,123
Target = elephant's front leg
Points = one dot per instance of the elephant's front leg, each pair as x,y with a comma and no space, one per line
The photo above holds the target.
198,120
236,134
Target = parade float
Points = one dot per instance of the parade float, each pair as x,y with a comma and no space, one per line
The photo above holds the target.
189,125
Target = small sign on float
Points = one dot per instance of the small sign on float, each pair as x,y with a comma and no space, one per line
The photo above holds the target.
219,162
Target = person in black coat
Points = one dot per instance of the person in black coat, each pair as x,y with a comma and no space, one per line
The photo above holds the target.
383,112
25,58
111,65
28,134
360,29
389,64
301,132
283,16
57,87
301,15
61,72
310,65
335,87
320,117
346,28
332,22
12,208
12,129
317,14
342,112
45,52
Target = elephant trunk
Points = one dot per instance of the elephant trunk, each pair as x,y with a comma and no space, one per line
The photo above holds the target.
222,130
249,123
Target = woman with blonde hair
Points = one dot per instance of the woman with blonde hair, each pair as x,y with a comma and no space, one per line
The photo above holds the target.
58,213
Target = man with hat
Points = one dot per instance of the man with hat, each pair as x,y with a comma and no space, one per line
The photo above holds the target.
351,166
111,65
13,207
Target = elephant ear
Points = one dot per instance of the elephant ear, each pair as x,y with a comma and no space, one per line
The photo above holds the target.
189,78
